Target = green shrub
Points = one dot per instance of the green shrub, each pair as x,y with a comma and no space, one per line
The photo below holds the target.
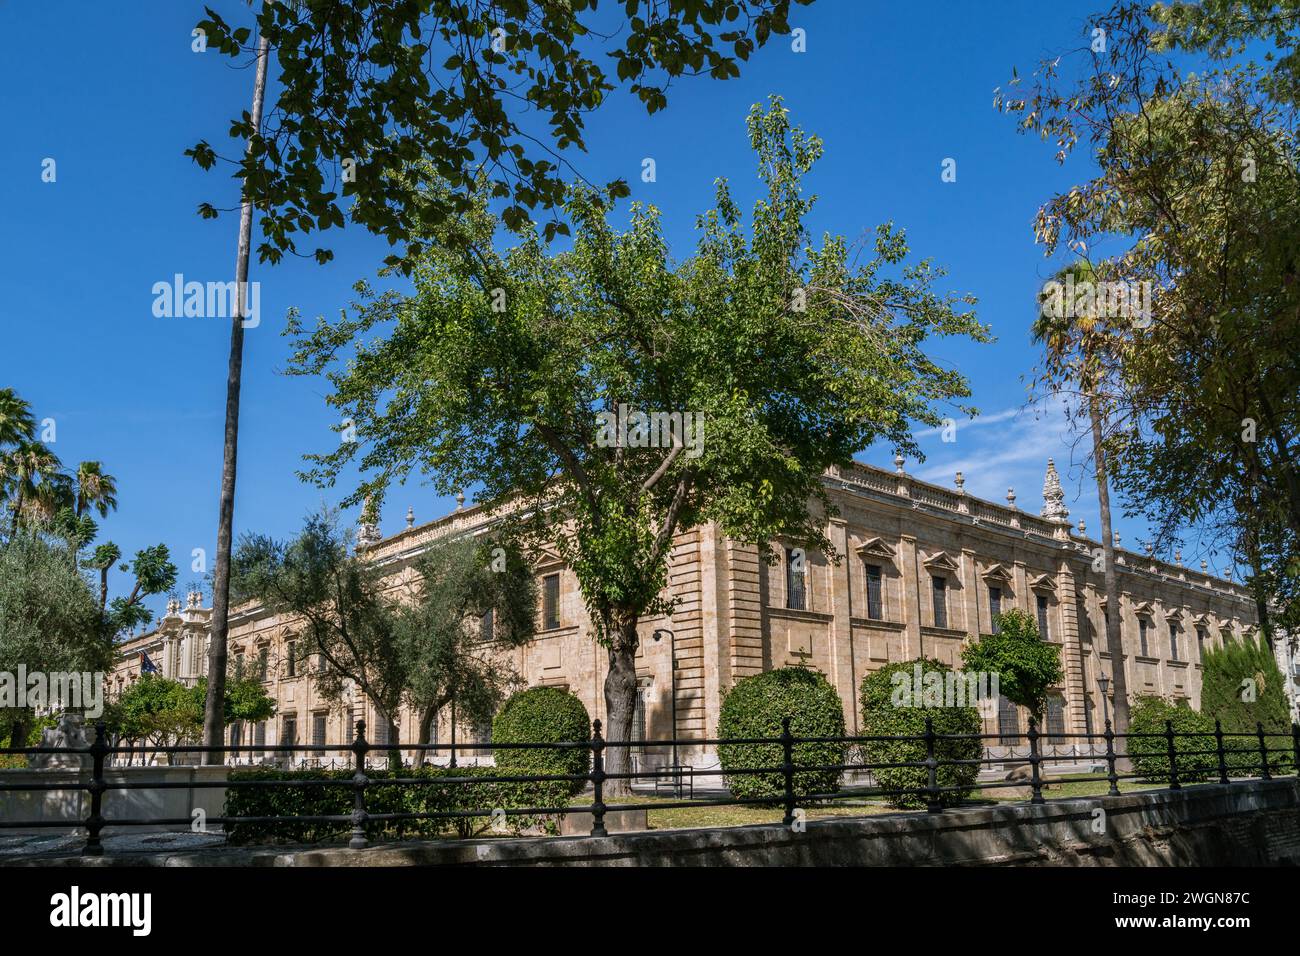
435,794
881,717
756,706
1241,687
1195,756
543,715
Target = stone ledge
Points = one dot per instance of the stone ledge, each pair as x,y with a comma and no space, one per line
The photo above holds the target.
1249,823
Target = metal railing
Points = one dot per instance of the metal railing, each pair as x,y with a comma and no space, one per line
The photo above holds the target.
931,793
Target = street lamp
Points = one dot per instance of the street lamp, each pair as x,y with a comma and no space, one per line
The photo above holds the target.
1104,683
672,650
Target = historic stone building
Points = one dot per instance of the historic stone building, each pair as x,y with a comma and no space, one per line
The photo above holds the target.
921,570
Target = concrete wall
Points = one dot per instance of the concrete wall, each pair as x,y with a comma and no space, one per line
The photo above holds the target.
1241,824
71,807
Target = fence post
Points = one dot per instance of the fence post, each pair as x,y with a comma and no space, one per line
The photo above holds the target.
597,781
932,802
1218,748
1263,752
1173,756
1111,775
1035,778
1295,746
359,781
95,822
787,768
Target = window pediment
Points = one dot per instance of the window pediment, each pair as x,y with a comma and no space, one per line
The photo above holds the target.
877,548
997,574
1044,583
941,562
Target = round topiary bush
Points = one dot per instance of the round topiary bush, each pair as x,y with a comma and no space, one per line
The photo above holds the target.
1195,757
543,715
756,706
905,786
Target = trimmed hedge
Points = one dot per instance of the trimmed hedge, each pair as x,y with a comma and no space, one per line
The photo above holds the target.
437,795
543,715
881,718
1195,756
755,708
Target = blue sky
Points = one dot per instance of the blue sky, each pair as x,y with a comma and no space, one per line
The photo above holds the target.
114,94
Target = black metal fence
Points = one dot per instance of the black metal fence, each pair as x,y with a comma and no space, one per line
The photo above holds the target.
1230,759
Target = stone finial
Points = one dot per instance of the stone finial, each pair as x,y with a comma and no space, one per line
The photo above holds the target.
1205,566
460,501
960,481
173,606
1053,495
1114,538
194,599
1149,548
368,527
1011,497
410,517
898,462
1083,528
1178,558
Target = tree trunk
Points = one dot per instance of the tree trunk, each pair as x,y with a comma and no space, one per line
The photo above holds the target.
620,705
1114,632
213,723
426,725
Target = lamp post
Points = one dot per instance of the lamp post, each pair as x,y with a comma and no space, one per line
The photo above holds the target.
1104,683
672,651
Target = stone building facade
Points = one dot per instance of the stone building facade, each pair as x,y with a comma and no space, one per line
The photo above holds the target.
921,570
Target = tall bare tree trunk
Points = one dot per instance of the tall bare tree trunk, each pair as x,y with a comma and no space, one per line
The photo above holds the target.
620,705
1114,633
213,711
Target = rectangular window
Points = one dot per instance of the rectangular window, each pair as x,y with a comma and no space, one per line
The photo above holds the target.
318,731
485,625
1200,643
263,660
550,602
1042,617
995,608
259,734
939,592
483,735
239,666
289,732
1055,719
236,738
1142,637
1173,642
1008,723
291,664
796,596
875,595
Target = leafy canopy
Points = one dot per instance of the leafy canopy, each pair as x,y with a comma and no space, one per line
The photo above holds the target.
492,374
380,98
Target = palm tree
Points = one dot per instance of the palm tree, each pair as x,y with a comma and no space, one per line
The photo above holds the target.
95,489
214,723
16,421
1075,351
31,482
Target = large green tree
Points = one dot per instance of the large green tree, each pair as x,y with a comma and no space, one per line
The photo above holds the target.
421,642
49,619
506,370
1196,186
378,99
